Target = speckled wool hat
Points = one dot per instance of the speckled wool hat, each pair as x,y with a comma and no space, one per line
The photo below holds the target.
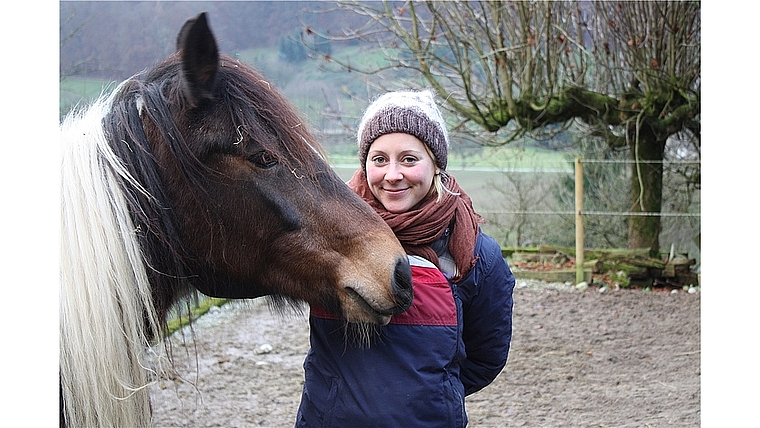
410,112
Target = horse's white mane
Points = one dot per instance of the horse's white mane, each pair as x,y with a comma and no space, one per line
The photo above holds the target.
106,311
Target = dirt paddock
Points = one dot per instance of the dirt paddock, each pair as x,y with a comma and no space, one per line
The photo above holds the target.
621,358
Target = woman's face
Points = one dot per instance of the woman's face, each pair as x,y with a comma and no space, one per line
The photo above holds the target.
400,171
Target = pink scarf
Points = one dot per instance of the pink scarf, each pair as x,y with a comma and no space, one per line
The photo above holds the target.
419,227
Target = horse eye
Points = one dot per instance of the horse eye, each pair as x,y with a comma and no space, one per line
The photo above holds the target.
263,160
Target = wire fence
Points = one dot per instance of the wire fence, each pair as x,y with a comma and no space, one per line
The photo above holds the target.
527,209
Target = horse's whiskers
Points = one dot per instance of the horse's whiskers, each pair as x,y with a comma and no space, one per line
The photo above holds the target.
360,334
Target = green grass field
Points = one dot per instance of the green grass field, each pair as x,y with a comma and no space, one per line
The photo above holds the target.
80,91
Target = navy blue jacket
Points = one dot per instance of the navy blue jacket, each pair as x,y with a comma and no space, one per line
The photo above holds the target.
453,341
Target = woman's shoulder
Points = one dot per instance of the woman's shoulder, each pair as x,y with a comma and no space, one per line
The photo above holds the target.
491,278
487,246
490,257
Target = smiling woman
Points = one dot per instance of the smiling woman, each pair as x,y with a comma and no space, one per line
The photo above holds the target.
455,338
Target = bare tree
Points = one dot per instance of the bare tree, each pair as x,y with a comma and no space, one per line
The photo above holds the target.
630,70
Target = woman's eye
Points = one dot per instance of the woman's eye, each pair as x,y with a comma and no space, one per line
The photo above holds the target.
378,160
409,160
263,160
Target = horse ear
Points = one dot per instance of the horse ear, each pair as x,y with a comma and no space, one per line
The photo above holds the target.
200,58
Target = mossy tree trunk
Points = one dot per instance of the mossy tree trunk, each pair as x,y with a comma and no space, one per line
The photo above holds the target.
646,194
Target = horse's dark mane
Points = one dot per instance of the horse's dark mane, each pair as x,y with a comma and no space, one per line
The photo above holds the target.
153,220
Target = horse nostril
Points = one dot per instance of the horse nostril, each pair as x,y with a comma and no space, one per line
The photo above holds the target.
402,285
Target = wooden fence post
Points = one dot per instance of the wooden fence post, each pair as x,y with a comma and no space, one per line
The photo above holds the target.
579,245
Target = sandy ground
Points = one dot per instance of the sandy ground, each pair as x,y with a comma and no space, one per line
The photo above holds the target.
621,358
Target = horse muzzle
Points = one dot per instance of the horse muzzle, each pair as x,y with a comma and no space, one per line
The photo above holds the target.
365,304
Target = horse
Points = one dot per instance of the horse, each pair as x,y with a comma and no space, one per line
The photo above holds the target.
198,174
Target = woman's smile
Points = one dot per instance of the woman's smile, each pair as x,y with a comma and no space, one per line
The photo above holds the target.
394,192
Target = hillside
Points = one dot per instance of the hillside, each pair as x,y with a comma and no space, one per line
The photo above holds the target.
111,40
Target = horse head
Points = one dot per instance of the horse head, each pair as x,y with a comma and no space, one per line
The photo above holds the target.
255,208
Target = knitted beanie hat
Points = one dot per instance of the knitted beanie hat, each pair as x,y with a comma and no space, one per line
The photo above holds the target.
410,112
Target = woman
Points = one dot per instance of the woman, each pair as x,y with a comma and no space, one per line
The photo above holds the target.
455,338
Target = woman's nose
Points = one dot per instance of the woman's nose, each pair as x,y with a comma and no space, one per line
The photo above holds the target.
393,173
